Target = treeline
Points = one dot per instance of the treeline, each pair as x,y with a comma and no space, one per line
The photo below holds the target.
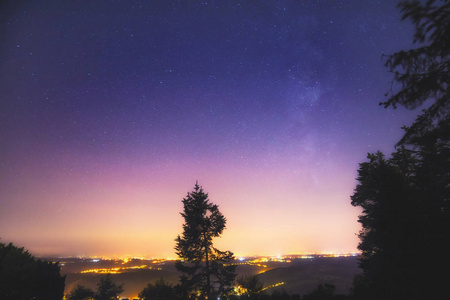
246,288
24,277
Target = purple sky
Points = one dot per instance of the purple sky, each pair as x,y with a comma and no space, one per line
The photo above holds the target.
111,110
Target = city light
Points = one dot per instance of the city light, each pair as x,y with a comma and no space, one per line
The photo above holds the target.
119,270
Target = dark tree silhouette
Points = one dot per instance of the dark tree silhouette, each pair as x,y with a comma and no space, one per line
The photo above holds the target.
160,290
206,270
81,293
405,199
424,73
322,292
24,277
107,289
280,295
405,219
383,194
250,284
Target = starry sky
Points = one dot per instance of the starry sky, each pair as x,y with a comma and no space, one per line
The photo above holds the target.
111,110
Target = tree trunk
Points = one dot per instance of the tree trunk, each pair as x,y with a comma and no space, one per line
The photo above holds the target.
208,281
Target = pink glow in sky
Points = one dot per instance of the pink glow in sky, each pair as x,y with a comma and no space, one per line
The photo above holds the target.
133,210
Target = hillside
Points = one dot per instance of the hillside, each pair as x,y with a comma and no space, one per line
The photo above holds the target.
300,276
303,276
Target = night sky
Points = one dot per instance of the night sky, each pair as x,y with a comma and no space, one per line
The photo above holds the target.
111,110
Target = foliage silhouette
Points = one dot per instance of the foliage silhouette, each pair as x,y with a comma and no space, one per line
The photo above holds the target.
24,277
280,295
405,199
250,284
405,218
206,270
107,289
424,73
160,290
323,292
81,293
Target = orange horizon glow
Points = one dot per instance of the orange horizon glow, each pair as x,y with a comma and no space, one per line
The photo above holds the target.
260,221
118,216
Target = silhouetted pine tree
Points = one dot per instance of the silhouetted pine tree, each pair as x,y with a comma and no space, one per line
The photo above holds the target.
205,269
